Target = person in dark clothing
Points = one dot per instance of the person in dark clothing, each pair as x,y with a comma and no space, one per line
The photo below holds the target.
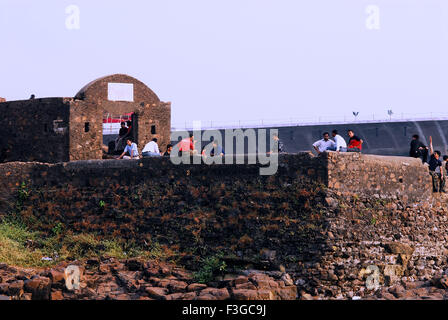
217,150
354,143
120,142
169,148
436,170
278,146
123,130
418,149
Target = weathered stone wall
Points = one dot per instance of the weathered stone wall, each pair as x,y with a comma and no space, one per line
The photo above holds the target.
149,110
379,176
325,236
34,130
64,129
86,130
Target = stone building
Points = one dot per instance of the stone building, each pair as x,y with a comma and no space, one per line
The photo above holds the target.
68,129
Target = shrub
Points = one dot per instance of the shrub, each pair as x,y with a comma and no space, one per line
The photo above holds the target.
211,267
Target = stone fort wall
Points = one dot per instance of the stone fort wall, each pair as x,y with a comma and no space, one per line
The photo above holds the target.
56,130
310,217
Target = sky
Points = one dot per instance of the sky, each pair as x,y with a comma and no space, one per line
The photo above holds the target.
231,60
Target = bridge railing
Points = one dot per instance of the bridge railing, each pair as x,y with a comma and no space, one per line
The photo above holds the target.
306,121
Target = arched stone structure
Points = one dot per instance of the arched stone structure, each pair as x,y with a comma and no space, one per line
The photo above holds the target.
67,129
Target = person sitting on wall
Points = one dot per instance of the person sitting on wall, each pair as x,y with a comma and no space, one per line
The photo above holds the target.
120,141
324,144
355,143
436,169
217,150
169,148
187,145
131,149
341,145
151,149
418,149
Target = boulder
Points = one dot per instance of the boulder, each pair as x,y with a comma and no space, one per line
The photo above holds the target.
39,287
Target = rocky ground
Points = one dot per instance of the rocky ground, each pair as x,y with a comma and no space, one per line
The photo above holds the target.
436,289
111,279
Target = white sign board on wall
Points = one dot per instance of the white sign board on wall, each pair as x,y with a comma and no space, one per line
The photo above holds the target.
120,92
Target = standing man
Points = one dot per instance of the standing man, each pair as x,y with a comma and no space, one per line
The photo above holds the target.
324,144
119,142
341,145
151,149
418,149
278,146
355,143
436,170
131,149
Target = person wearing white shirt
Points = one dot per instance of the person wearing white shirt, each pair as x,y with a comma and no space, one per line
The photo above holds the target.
324,144
341,145
151,149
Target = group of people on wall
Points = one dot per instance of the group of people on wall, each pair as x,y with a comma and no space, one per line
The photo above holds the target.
438,165
151,149
338,143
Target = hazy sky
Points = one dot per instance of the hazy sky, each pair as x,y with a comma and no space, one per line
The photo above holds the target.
236,59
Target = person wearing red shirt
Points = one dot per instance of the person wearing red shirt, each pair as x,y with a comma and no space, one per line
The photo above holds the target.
355,143
187,145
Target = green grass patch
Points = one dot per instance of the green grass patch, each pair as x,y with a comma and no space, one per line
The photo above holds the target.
22,247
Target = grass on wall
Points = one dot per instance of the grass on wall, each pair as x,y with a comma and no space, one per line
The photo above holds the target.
22,247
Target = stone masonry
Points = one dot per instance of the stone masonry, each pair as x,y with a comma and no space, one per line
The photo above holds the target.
309,219
67,129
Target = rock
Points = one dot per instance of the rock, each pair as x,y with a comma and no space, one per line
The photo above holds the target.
244,294
240,280
4,288
306,296
397,291
268,254
157,293
397,248
331,202
443,282
40,288
57,277
287,293
177,286
175,296
206,296
189,296
249,286
135,265
4,298
287,279
196,287
15,289
219,294
57,295
265,295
